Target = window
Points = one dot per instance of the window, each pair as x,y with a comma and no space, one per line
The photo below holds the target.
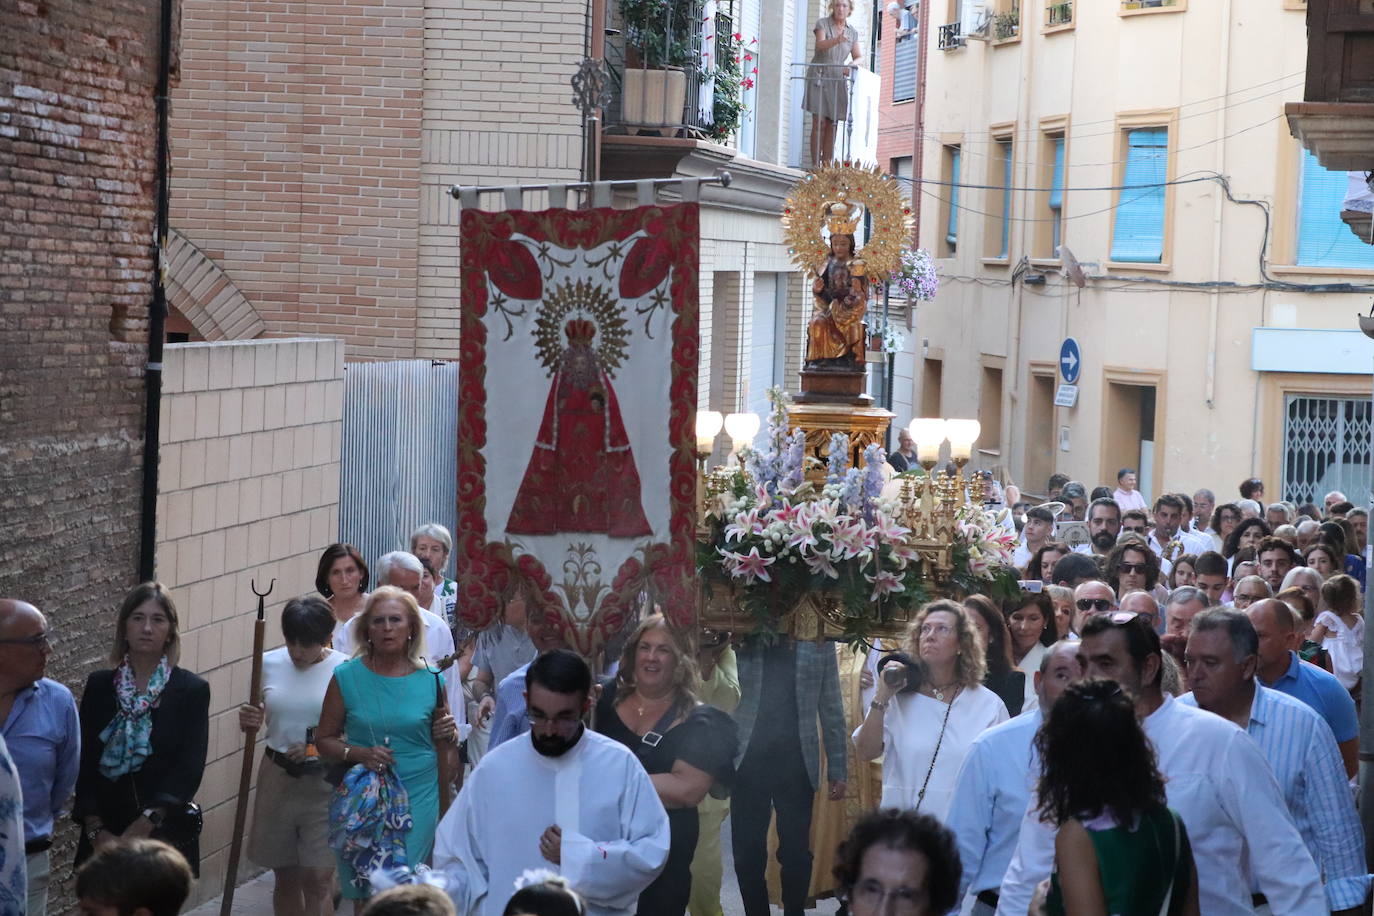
1006,20
1058,14
990,410
932,379
951,187
904,59
1146,6
1056,196
1138,235
998,207
901,169
1323,239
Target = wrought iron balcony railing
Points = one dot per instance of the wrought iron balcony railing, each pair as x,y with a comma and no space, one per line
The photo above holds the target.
951,37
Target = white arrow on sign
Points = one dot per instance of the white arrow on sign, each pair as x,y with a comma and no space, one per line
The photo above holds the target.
1070,363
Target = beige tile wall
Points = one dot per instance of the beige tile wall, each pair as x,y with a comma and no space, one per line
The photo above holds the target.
249,489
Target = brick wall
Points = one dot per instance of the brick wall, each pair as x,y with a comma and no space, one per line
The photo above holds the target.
296,139
249,490
76,194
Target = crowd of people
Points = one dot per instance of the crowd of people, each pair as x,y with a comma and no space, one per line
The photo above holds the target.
1162,720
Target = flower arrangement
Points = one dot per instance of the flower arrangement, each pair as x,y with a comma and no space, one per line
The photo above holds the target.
736,71
916,278
890,339
774,537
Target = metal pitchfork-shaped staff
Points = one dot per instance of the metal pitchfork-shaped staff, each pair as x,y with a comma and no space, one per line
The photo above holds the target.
249,746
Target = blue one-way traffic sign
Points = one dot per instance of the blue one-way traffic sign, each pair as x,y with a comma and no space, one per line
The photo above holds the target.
1070,362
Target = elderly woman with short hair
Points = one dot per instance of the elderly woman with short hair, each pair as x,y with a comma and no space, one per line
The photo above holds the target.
927,712
432,542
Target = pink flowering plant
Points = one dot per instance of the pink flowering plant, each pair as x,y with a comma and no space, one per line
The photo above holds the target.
773,537
916,278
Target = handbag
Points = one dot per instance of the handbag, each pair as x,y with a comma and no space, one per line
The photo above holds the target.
180,828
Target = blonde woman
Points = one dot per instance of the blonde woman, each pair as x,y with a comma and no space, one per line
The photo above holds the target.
827,79
384,711
925,714
685,746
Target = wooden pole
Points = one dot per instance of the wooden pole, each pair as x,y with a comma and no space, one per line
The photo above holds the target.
250,741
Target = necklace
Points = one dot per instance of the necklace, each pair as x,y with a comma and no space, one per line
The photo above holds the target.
648,702
939,692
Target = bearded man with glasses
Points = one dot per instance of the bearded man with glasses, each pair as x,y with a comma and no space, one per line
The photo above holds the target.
40,727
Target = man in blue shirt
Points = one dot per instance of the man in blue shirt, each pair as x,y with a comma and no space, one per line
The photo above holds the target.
1280,669
995,783
1221,660
510,720
41,730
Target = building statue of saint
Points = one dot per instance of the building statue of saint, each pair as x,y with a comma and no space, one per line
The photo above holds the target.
835,334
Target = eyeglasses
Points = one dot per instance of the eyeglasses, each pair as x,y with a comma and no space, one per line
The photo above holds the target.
563,722
38,640
1101,605
871,896
1248,599
935,629
1131,567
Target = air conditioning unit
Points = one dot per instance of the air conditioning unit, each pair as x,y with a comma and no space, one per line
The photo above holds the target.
977,18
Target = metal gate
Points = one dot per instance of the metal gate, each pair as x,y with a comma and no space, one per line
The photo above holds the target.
400,453
1326,447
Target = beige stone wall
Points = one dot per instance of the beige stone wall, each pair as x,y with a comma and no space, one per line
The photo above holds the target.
249,490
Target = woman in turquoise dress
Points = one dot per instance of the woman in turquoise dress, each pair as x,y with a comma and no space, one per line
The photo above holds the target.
1120,851
382,714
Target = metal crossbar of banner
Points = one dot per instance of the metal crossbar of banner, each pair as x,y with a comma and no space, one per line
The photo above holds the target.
598,192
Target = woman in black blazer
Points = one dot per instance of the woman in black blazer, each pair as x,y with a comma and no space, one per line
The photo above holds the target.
144,730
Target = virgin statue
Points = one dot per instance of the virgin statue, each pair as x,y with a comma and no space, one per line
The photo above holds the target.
835,336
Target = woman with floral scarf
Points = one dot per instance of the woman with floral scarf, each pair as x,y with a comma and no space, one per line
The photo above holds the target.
144,729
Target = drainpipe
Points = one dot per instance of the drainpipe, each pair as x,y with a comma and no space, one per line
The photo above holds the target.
918,158
1214,303
157,310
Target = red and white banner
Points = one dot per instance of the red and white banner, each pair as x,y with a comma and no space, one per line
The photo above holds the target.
577,392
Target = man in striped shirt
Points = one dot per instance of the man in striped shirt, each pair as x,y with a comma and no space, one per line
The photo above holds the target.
1222,657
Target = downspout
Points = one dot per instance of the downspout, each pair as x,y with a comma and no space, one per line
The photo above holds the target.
1023,231
1214,303
918,159
157,311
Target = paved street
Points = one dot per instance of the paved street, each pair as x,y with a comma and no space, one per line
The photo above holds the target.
255,897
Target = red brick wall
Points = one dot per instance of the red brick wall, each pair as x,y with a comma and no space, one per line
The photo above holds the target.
296,150
76,194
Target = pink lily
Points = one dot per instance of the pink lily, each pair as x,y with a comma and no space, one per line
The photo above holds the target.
885,583
787,513
820,563
754,566
745,524
887,529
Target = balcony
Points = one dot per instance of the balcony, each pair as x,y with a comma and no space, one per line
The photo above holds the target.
1335,120
1140,6
1006,26
1059,14
951,37
662,68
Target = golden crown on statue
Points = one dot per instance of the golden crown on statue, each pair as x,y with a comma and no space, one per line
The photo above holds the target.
843,217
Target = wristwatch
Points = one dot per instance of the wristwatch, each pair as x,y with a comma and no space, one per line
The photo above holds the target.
874,704
154,816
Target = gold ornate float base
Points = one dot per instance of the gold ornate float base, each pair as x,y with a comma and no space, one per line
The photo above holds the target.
865,425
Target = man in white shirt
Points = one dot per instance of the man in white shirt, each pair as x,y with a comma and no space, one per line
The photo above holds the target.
1215,778
565,799
1222,657
1104,527
1169,540
996,780
1036,534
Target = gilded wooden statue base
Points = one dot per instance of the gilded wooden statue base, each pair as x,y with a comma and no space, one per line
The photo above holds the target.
863,423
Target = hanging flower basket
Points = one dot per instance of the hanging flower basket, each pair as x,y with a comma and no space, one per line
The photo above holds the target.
916,277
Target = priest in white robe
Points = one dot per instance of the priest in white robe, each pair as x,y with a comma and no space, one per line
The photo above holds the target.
562,798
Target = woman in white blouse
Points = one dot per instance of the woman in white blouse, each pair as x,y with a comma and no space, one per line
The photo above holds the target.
922,734
291,818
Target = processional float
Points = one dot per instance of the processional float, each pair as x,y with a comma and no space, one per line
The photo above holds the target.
582,474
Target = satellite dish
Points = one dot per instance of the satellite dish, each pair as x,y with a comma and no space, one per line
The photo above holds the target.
1072,269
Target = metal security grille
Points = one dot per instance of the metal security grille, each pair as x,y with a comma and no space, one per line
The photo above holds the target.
400,453
1326,447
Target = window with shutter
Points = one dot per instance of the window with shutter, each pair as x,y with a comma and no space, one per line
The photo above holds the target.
1005,150
904,61
1138,234
952,223
1057,197
1323,239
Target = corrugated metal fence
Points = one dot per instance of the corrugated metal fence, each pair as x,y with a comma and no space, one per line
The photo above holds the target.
400,453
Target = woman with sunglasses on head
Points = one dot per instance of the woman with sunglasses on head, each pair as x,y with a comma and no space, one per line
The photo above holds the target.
1119,848
925,713
687,747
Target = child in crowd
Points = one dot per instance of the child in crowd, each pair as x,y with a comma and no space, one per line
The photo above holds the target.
1340,629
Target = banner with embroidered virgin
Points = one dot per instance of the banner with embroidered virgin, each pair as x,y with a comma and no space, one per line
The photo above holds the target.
578,386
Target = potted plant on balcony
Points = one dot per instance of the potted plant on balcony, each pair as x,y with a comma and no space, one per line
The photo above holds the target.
735,72
660,50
